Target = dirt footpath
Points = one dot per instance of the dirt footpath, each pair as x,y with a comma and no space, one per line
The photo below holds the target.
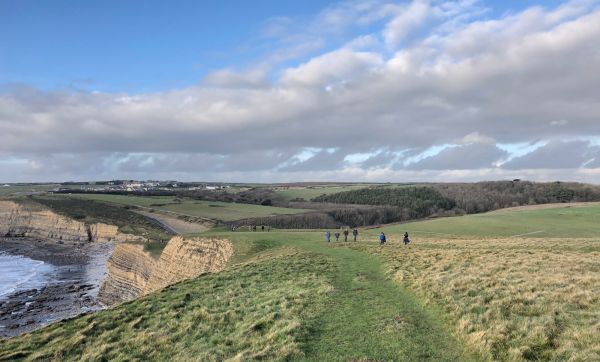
176,225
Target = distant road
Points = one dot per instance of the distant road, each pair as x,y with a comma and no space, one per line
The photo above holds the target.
167,228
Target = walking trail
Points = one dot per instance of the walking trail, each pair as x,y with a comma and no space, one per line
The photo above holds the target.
371,318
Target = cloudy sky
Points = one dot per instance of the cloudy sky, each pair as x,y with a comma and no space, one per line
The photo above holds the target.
268,90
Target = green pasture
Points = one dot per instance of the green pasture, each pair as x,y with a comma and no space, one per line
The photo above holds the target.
223,211
560,222
16,190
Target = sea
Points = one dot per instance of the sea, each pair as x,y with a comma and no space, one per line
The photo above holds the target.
21,273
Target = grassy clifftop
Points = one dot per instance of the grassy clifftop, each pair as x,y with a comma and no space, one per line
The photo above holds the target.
252,311
286,297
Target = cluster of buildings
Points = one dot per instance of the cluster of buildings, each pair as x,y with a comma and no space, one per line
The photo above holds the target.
139,186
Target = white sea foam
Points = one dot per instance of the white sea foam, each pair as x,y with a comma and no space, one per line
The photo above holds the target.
21,273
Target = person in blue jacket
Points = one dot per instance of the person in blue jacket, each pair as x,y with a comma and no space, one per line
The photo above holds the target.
328,236
381,238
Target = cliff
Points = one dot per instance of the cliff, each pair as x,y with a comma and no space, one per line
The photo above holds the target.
39,222
132,272
129,269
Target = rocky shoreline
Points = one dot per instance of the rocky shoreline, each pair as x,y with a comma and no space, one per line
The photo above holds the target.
80,269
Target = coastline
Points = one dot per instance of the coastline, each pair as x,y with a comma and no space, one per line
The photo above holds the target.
79,270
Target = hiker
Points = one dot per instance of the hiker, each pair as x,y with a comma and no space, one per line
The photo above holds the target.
381,239
337,236
328,236
262,228
406,239
345,234
355,233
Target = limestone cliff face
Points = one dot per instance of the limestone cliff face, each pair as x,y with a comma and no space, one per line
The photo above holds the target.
133,272
182,259
129,269
19,220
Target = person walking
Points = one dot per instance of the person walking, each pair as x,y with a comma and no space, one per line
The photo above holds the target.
328,236
381,239
406,239
337,236
346,234
355,233
262,228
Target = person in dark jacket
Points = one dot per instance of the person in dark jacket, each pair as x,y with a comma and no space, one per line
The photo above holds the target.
337,236
346,234
381,238
355,233
406,239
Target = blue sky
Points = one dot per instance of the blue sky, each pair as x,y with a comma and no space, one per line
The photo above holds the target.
361,90
144,46
130,45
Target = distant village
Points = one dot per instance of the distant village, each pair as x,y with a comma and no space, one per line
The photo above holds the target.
133,186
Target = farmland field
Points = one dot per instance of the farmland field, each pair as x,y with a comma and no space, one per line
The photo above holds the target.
215,210
557,222
15,190
529,297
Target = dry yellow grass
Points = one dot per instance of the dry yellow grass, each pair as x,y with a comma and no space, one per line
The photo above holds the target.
510,299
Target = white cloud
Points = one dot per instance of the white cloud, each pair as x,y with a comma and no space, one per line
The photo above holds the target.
407,18
462,80
339,65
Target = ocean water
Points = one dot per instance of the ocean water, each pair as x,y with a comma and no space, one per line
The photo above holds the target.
21,273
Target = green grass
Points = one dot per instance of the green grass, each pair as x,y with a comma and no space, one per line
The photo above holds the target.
556,223
287,296
309,193
366,315
222,211
17,190
245,313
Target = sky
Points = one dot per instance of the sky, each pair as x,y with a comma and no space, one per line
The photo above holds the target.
284,91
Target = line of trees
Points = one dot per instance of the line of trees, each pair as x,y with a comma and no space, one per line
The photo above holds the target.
487,196
416,201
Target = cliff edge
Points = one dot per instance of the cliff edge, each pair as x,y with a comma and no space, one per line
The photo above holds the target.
133,272
38,222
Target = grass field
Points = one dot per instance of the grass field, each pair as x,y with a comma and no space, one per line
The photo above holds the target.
510,299
289,296
286,296
527,297
16,190
222,211
560,222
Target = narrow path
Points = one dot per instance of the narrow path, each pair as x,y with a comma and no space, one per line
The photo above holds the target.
161,224
373,319
531,233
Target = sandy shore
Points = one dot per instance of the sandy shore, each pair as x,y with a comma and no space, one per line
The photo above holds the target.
72,290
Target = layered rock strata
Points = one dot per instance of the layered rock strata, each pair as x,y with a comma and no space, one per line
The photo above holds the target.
27,221
132,272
